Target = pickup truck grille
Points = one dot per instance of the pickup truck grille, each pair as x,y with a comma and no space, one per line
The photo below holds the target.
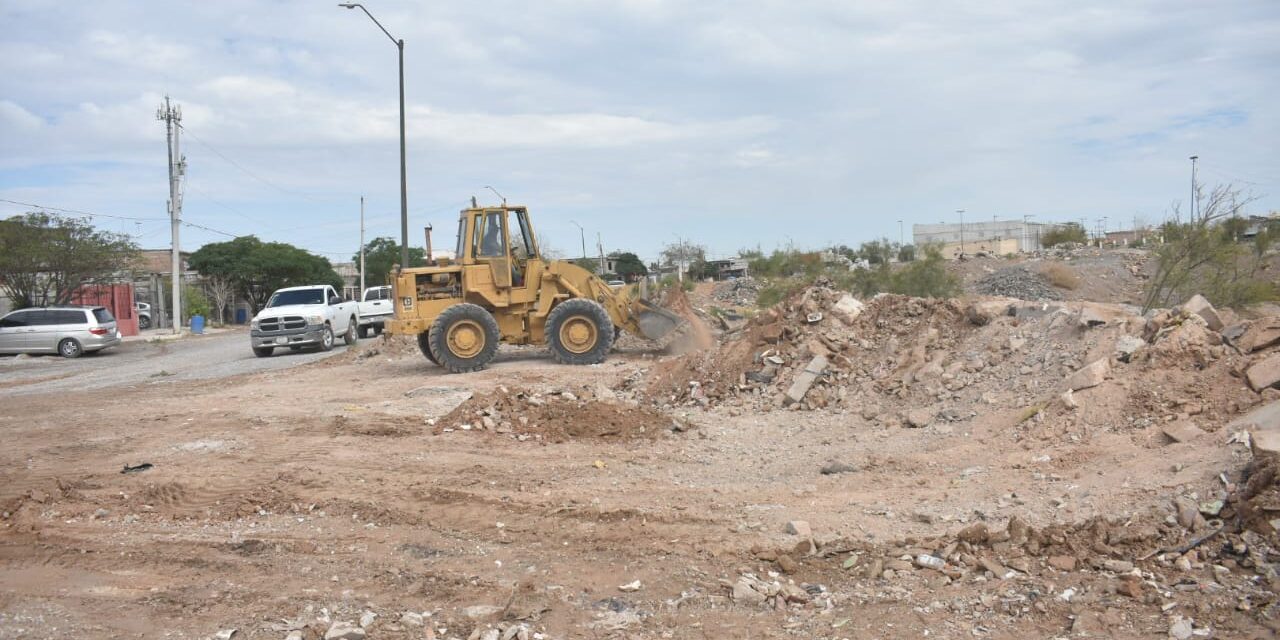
285,322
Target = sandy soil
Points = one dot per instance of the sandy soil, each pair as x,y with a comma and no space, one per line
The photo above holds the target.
283,501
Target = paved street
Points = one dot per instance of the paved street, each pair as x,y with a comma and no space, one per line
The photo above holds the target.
193,358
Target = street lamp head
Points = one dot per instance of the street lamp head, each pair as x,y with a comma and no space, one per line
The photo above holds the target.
347,5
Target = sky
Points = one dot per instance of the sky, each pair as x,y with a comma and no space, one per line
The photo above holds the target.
745,124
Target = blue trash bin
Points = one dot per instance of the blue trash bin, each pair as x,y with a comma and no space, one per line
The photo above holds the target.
197,324
242,316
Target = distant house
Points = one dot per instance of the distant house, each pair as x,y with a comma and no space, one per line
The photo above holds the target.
731,268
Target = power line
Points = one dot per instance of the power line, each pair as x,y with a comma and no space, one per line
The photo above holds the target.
78,212
248,172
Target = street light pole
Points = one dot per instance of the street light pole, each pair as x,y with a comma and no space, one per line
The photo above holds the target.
582,235
404,178
1193,188
961,212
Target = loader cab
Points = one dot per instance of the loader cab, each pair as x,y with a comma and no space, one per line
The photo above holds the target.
501,239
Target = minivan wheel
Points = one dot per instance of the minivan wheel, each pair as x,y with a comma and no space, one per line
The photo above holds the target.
144,322
69,348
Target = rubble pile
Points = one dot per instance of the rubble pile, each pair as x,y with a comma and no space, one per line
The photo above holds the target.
739,292
942,359
1017,282
558,416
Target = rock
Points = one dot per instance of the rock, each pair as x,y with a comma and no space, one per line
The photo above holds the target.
848,308
1265,443
1117,566
296,634
1266,417
975,533
1180,628
1091,375
1199,306
998,570
366,620
745,594
1181,431
1264,373
835,467
919,418
1188,513
805,379
1063,563
1126,346
411,619
490,634
225,634
1090,318
630,587
342,630
983,312
787,564
926,561
1260,334
1068,399
481,611
1131,586
799,528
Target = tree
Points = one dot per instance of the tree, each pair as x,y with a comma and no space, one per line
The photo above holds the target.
381,255
258,268
1203,256
629,266
907,253
222,291
45,258
683,254
590,264
1069,232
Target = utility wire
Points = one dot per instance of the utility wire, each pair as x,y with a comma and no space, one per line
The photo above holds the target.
248,172
78,212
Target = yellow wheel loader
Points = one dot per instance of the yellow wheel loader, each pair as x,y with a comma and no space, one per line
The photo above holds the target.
499,288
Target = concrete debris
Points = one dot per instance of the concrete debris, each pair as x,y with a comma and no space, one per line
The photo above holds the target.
799,528
1180,628
1017,282
1092,375
225,634
1068,399
806,378
1264,373
1126,346
1260,334
367,618
411,619
481,611
848,308
1198,305
919,418
983,312
1181,431
630,587
342,630
835,467
1265,417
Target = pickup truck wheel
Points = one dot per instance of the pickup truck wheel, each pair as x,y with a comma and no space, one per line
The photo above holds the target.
263,352
350,336
363,331
326,338
424,345
579,331
464,338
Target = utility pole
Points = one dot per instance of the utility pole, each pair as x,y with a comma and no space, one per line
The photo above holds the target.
900,237
600,248
961,212
360,294
172,117
1193,188
582,235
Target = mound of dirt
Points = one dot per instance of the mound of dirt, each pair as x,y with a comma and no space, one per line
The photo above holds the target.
556,417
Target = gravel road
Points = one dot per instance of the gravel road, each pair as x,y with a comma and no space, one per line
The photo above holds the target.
140,363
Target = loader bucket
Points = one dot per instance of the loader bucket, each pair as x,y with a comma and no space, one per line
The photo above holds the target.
654,321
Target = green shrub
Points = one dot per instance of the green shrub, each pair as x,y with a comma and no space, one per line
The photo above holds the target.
1069,232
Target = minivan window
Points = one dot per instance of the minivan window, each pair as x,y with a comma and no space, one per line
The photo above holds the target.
103,315
16,319
64,316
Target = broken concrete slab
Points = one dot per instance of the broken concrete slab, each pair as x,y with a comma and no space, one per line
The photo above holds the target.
1181,431
799,528
848,308
1091,375
1265,443
1260,334
1265,373
982,312
805,379
1198,305
1126,346
1266,417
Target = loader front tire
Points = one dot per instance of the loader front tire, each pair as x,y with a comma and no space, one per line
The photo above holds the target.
424,345
579,331
464,338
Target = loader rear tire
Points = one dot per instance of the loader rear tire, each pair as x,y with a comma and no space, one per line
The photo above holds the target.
579,331
424,345
464,338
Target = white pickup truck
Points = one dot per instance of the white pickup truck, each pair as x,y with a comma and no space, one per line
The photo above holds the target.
298,317
376,308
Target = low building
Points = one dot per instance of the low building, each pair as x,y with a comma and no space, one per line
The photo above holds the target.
731,268
997,236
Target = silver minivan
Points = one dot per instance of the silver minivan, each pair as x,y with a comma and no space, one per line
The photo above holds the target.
66,331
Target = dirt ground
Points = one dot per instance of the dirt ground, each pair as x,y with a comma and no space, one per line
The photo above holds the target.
373,485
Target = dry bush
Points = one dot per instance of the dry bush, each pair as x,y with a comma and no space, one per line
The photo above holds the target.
1061,276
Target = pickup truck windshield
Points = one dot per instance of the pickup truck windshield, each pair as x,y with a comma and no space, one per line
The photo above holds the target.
300,296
